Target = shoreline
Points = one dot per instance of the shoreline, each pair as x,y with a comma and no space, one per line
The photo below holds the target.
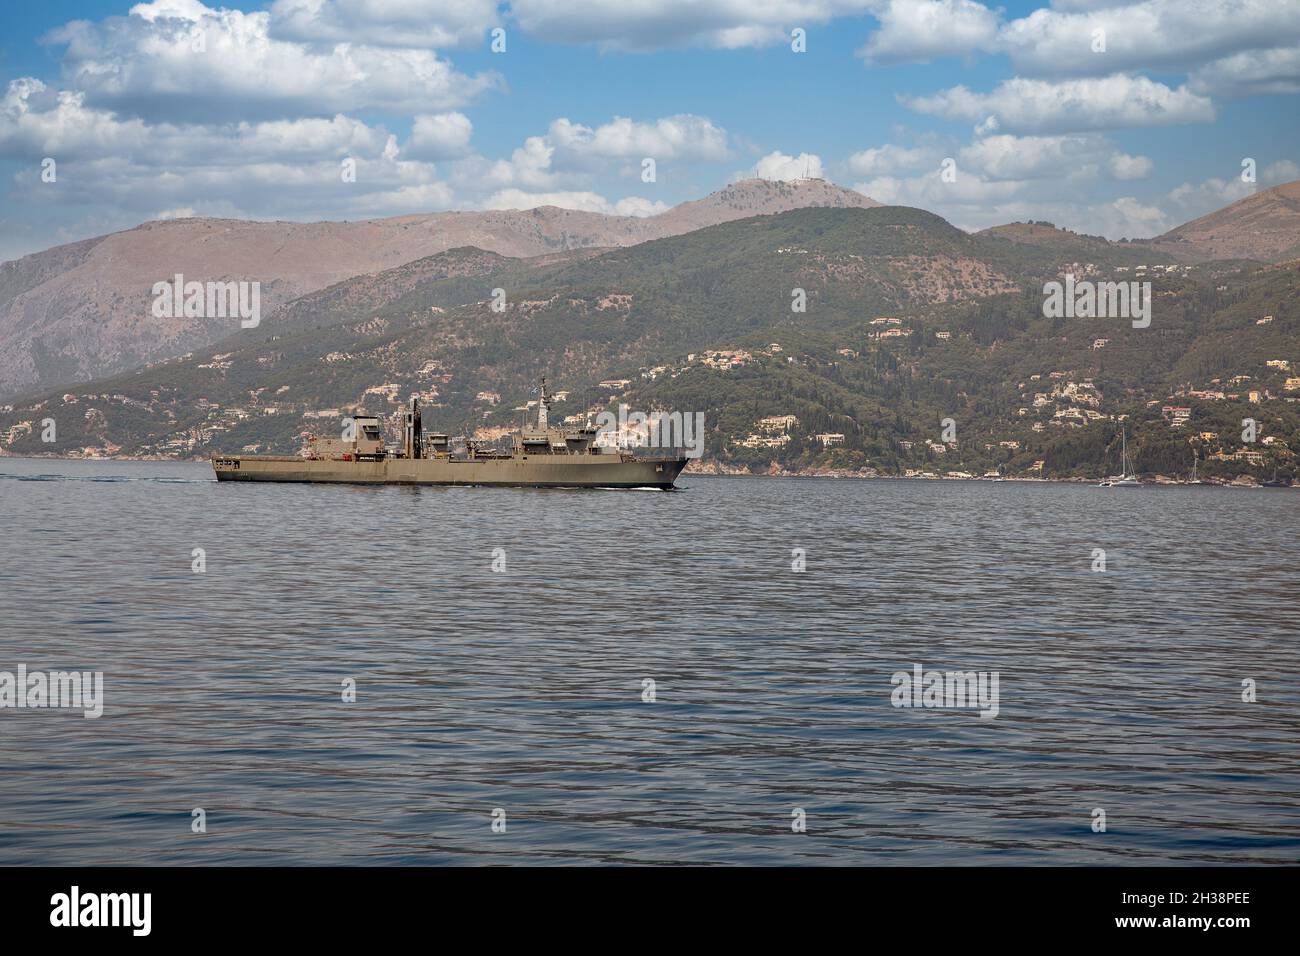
717,470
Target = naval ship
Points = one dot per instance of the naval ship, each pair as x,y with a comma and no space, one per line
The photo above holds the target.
541,457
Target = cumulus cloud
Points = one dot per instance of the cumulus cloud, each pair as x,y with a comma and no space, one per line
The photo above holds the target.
1079,105
675,137
1193,200
569,154
973,202
439,136
1229,47
637,206
179,58
1253,73
777,165
656,24
1003,178
1050,157
35,120
1124,166
917,31
122,169
583,201
930,191
402,23
1283,171
1164,35
891,159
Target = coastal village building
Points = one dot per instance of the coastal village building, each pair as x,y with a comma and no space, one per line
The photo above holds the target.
724,360
1250,456
764,441
777,423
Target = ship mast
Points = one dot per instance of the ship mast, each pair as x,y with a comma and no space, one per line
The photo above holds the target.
542,409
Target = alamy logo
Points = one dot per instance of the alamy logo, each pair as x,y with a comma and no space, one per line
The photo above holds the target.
946,689
103,909
1098,300
208,300
655,430
72,690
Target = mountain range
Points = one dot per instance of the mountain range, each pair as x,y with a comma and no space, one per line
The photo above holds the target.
81,311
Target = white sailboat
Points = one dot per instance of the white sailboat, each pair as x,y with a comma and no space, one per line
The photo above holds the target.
1126,479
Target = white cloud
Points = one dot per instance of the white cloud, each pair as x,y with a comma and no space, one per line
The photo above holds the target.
1050,157
1124,166
777,165
400,23
1062,179
931,192
1042,106
1283,171
1163,35
1230,47
1252,73
656,24
35,120
584,201
569,155
891,159
165,9
226,63
1124,218
439,136
917,31
971,203
1192,200
529,166
637,206
684,136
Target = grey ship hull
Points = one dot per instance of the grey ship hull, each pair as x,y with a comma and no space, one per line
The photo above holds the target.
535,471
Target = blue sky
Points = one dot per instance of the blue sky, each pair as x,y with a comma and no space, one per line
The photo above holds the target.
249,110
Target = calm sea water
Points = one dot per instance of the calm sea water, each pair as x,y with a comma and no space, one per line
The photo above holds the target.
522,690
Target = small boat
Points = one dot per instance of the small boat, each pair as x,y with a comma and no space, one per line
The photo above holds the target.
1275,481
1126,479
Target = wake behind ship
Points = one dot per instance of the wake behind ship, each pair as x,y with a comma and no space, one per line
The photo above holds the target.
541,457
